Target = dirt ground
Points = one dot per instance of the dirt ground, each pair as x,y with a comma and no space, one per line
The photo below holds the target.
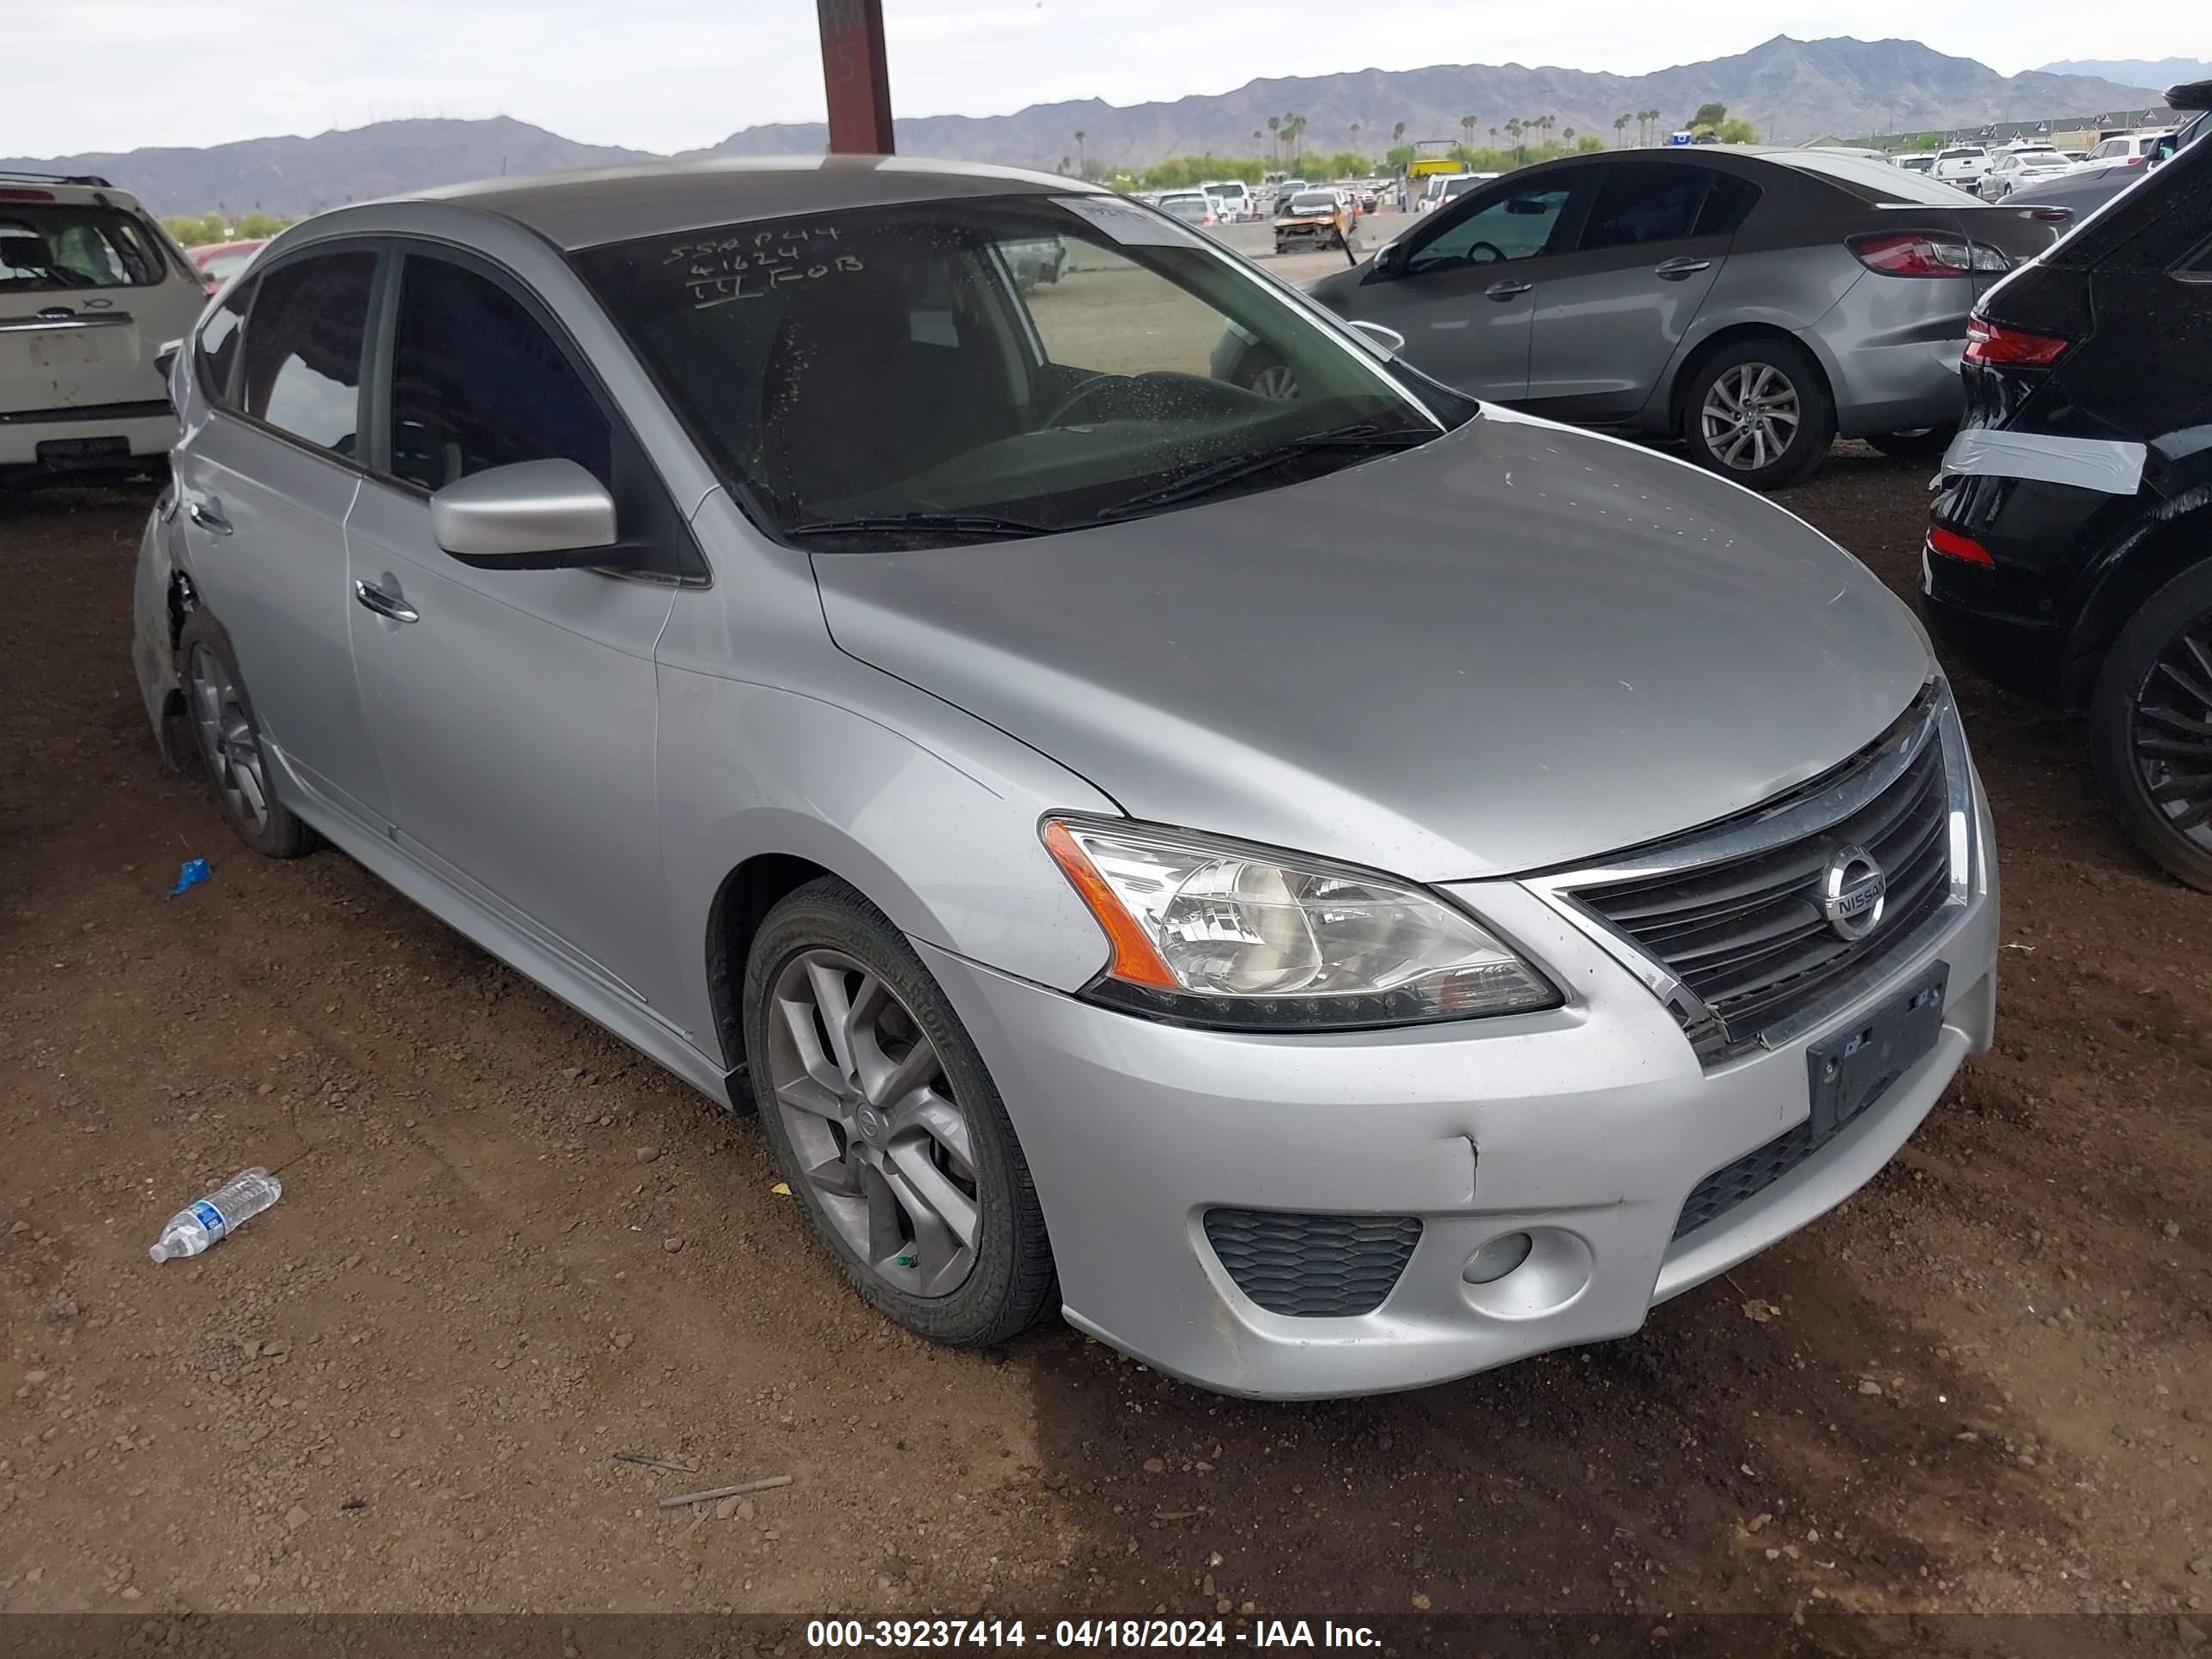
509,1249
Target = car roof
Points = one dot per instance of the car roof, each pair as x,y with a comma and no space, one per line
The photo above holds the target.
589,207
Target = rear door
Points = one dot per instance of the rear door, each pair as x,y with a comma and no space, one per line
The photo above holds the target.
88,298
265,482
1464,292
1609,317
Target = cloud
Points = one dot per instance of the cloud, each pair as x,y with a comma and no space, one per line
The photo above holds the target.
666,75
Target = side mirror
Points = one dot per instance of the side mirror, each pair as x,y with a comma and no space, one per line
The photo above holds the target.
1389,261
1389,339
533,515
1525,204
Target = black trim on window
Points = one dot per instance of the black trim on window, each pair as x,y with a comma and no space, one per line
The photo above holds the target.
229,408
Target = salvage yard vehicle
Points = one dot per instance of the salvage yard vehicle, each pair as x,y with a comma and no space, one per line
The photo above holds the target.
1754,304
2069,549
1315,218
91,290
1322,937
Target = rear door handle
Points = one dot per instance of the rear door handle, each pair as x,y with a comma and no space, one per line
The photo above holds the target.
1675,270
208,515
372,598
1508,290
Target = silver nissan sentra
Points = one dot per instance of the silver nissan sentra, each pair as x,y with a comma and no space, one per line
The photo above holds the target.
1332,894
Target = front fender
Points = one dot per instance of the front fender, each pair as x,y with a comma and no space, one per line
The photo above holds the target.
940,835
153,625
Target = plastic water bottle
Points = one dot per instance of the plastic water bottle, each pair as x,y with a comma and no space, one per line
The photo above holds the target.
218,1215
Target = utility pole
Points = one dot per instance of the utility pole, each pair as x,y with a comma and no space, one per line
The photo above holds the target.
856,75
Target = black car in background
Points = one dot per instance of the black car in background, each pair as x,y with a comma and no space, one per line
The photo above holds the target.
2069,549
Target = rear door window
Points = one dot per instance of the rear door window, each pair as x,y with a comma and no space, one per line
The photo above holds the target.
303,345
65,248
1645,202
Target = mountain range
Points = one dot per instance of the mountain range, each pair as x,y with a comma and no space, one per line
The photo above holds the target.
2136,71
1791,90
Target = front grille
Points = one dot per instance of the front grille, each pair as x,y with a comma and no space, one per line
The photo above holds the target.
1313,1266
1745,934
1750,1175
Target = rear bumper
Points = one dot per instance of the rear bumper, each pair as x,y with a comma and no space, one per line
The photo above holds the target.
1586,1127
55,440
1891,346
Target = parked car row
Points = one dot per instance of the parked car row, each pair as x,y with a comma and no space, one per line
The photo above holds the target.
761,522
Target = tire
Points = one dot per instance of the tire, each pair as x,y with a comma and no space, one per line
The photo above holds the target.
2155,685
1261,371
862,1181
227,734
1802,393
1919,444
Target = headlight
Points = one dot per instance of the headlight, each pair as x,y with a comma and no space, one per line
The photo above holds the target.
1215,932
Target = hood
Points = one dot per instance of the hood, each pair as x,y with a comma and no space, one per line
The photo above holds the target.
1517,646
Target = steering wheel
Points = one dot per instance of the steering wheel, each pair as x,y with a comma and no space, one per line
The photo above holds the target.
1496,253
1081,394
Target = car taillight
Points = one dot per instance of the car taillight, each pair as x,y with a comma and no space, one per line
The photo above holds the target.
25,195
1994,343
1921,253
1952,546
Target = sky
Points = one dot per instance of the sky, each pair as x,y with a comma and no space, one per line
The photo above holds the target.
668,75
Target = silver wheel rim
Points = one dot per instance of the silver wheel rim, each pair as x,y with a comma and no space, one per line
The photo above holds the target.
228,739
1751,416
1276,381
2171,733
882,1145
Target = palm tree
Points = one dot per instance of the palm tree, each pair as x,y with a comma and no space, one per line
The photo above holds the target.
1513,130
1397,135
1467,124
1275,127
1062,167
1080,164
1566,135
1294,129
1650,118
1619,126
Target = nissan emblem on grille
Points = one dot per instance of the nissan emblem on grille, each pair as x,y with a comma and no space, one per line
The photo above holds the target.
1853,891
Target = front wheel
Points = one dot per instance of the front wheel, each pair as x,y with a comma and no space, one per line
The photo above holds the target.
1759,413
1263,372
887,1125
2150,727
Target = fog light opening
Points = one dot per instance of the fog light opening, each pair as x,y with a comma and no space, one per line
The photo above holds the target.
1498,1258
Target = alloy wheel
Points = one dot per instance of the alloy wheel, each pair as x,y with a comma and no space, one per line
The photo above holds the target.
869,1110
1751,415
228,738
1276,381
2172,733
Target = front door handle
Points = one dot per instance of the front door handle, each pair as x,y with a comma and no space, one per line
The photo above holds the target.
208,515
1507,291
390,606
1676,270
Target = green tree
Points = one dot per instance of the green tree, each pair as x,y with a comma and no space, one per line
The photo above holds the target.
1467,125
1619,127
1736,130
1588,143
1400,158
1709,115
1081,165
1275,132
1513,130
1398,133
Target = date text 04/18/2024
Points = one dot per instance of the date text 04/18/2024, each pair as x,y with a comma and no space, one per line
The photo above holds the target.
899,1635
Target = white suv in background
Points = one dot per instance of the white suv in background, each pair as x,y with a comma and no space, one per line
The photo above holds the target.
1233,200
2018,166
1962,164
91,290
2129,149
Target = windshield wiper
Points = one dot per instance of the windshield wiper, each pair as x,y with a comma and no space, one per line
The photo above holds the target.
1361,434
964,523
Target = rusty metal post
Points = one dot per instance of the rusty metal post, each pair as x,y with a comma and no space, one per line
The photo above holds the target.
857,77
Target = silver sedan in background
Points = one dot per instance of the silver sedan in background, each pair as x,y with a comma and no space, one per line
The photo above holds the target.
1754,304
1330,894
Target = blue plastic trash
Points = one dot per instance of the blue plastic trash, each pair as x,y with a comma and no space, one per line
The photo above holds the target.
194,872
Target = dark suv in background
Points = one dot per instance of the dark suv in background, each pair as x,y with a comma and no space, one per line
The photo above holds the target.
2069,549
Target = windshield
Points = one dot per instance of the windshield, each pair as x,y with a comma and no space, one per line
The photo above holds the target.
48,249
868,377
